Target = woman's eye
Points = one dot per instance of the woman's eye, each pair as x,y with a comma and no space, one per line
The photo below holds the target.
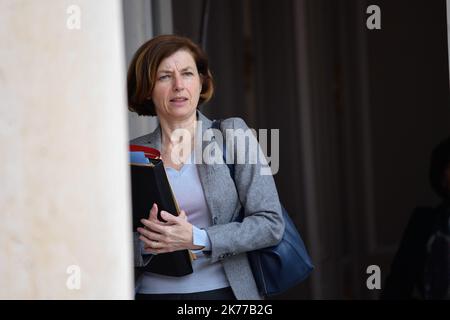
188,73
165,77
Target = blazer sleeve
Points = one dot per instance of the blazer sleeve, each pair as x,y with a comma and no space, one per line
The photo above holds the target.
263,225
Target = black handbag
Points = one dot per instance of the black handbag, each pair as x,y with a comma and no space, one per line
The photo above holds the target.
282,266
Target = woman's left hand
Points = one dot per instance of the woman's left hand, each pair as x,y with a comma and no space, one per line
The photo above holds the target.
172,235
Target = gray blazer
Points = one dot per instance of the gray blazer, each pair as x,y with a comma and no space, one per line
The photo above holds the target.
263,225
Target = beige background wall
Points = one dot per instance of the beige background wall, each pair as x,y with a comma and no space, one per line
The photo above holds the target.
63,161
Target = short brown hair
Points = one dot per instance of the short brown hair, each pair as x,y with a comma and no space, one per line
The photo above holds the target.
142,71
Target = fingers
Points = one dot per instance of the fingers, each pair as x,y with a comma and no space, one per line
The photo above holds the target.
153,210
161,237
170,218
150,234
154,230
182,215
153,216
154,247
150,246
147,242
153,226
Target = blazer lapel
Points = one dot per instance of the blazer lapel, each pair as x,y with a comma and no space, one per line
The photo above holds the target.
206,172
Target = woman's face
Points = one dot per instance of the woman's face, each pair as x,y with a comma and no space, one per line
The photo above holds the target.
177,87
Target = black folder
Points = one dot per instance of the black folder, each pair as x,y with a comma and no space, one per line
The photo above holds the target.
149,184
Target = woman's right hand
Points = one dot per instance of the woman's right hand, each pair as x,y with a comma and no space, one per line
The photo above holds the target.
161,237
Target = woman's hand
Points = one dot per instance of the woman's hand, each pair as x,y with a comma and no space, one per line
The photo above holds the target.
172,235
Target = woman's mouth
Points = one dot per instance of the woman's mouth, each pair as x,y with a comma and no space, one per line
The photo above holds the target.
178,101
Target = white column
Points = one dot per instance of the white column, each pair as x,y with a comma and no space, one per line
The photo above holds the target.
64,188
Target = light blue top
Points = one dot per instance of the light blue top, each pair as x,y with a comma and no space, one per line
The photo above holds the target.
188,191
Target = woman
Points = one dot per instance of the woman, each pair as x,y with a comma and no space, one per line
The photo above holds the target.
169,77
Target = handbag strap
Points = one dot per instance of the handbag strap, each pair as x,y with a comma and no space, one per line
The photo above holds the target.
217,125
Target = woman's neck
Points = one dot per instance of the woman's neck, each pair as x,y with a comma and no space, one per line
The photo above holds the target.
168,127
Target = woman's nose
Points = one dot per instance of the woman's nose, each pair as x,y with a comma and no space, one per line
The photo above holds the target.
178,84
